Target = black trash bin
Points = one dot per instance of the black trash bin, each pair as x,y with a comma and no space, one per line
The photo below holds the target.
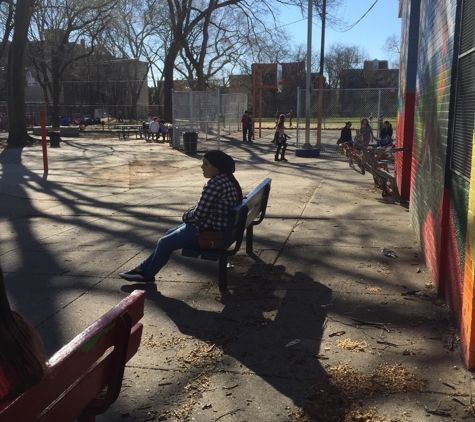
54,138
190,142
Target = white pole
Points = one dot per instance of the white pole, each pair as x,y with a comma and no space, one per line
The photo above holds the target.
298,118
307,144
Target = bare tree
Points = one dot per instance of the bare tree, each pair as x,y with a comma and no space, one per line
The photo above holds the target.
185,16
392,46
216,45
138,31
332,9
17,134
340,58
64,32
7,10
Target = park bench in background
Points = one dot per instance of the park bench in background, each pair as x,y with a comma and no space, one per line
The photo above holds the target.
244,216
85,375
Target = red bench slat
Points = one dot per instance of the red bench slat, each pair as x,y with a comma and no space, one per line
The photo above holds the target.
82,369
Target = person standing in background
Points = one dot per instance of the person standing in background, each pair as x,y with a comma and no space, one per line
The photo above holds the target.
250,126
244,126
370,121
366,132
282,140
289,115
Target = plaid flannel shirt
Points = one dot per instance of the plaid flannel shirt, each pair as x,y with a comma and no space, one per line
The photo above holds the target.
211,211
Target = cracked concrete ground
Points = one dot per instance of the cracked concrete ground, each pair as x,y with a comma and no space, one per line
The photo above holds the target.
319,326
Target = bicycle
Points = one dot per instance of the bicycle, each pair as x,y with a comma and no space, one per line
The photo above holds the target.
375,161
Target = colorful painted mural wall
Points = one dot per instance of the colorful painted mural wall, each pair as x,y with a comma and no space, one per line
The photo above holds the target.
468,305
439,198
407,94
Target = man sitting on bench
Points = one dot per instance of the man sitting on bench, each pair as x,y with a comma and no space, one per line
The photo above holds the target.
221,193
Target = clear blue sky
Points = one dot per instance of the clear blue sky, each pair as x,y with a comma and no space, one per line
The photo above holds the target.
370,32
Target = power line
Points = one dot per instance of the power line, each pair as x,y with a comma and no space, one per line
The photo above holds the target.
352,26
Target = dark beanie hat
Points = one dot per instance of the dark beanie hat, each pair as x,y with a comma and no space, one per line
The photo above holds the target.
222,161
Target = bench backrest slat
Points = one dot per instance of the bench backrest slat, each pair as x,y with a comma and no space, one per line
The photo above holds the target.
88,356
257,203
91,384
244,214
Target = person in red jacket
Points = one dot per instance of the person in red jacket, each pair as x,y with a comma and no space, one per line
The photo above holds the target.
22,353
244,126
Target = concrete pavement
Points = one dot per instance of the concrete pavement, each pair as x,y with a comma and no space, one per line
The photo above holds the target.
370,337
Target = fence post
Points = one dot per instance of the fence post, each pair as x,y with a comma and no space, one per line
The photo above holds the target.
191,110
43,144
379,103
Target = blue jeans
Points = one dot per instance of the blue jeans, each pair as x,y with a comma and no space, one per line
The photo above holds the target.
174,239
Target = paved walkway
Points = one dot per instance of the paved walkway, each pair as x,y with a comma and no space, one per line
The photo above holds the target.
321,327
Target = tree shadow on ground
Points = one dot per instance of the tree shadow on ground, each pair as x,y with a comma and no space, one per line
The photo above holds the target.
259,320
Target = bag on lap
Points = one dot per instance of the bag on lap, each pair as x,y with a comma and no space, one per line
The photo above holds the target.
211,240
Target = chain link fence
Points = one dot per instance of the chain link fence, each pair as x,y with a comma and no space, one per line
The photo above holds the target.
109,114
208,113
339,106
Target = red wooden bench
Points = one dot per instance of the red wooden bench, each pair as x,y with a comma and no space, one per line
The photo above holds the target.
86,374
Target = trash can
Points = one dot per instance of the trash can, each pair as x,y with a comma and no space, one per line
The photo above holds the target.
54,138
190,142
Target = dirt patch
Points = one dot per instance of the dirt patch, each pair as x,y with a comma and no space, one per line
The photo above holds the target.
339,395
197,354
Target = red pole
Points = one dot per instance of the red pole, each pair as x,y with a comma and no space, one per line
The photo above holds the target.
43,141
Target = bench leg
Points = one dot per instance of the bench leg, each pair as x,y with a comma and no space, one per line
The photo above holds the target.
249,236
223,272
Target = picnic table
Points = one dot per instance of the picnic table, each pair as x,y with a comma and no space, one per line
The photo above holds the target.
124,131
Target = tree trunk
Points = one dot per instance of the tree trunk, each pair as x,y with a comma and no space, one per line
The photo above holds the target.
168,69
18,134
55,96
